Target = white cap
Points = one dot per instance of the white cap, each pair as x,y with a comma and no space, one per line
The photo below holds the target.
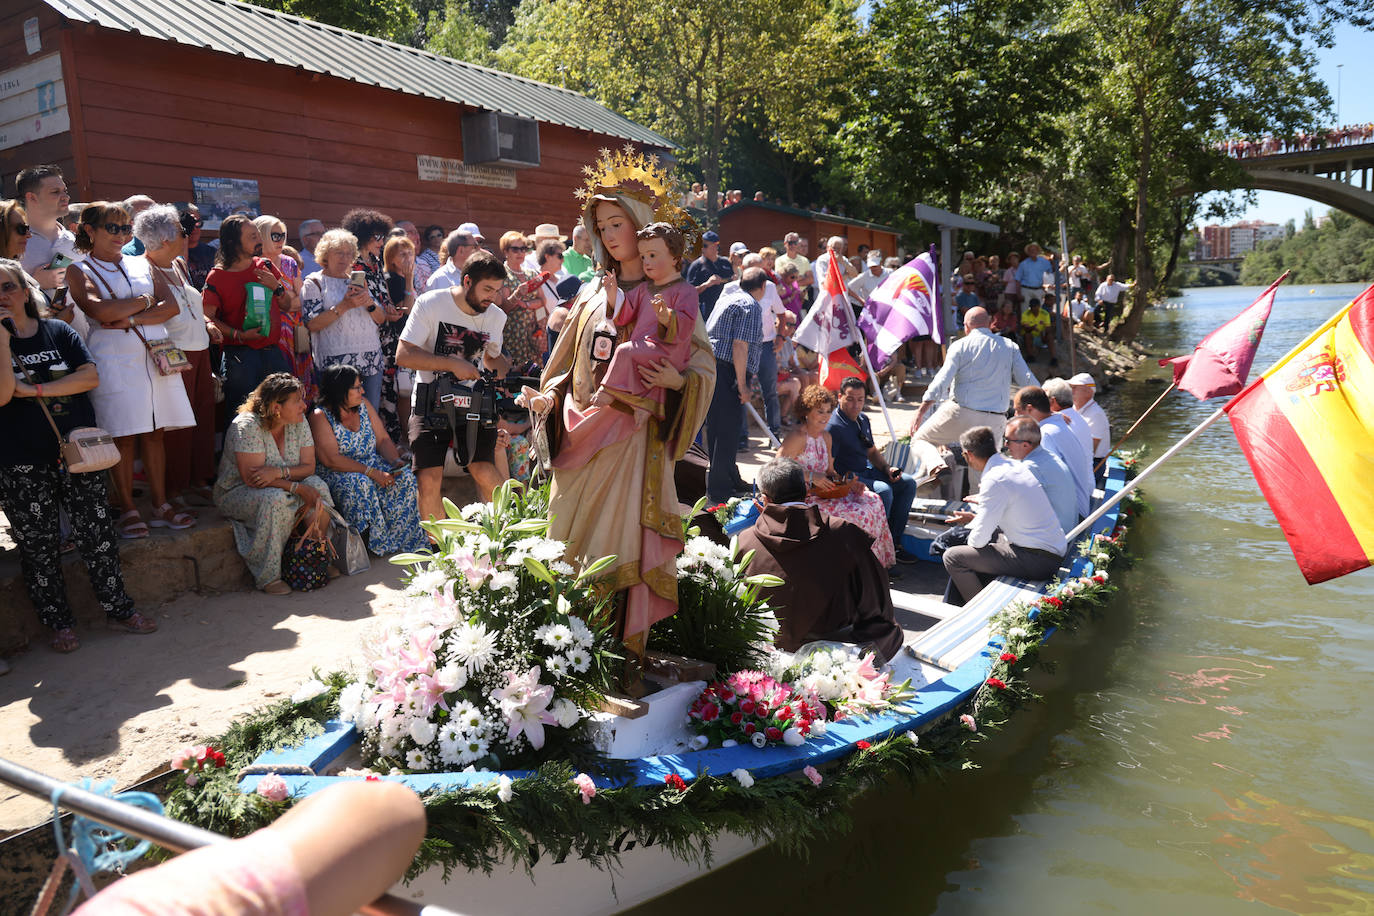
1083,378
875,258
547,230
739,248
472,230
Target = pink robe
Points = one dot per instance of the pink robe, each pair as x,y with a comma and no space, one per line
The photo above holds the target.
650,343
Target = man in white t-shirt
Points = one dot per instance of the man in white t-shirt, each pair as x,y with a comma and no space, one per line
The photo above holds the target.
44,194
448,329
1084,400
1108,297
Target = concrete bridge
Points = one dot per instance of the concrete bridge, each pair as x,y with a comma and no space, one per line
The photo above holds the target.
1338,176
1226,267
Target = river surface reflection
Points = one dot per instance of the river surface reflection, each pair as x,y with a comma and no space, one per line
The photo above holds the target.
1206,748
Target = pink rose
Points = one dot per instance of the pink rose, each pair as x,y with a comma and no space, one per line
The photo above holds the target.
272,787
182,757
585,786
813,775
968,722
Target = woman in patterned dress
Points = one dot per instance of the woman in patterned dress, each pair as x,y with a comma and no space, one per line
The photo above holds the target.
370,228
810,445
343,320
374,491
267,473
526,312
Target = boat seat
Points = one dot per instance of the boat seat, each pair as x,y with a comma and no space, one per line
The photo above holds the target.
964,631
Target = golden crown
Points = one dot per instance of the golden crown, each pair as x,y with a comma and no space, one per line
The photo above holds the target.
644,178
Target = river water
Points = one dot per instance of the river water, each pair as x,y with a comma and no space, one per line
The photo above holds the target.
1204,748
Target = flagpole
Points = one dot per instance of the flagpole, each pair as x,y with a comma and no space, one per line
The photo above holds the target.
1121,494
1141,419
862,341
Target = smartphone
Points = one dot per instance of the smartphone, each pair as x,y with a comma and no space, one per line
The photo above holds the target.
60,261
357,279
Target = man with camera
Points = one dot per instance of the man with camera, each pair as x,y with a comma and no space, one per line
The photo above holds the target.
447,331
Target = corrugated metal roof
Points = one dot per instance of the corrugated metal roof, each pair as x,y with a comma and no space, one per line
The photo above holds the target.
266,35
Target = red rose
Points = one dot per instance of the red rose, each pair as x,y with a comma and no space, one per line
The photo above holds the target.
726,694
750,728
997,682
785,713
773,733
736,717
761,710
1054,602
674,781
862,745
709,712
1008,657
747,707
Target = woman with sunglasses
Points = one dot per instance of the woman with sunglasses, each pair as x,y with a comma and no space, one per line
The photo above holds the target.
33,485
190,451
14,230
293,340
134,403
370,228
526,313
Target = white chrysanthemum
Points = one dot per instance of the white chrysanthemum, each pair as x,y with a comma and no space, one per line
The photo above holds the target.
503,580
450,752
770,622
422,731
503,788
472,645
473,510
565,711
515,557
308,691
449,734
581,633
427,582
350,701
1017,632
387,747
546,550
467,718
559,636
560,568
542,632
451,677
1102,573
579,659
743,777
394,725
557,667
417,760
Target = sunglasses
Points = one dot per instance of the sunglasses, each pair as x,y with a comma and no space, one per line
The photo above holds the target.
9,286
518,248
277,236
117,229
434,237
20,228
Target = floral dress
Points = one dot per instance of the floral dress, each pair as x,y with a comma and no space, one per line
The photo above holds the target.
524,335
262,517
864,509
389,333
388,517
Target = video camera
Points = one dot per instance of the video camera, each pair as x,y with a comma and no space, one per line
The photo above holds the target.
468,407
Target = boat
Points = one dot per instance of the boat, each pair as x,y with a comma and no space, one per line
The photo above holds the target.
669,810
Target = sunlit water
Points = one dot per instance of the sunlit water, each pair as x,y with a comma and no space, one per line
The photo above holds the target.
1205,748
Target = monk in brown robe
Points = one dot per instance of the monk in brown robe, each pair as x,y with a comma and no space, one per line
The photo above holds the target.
831,580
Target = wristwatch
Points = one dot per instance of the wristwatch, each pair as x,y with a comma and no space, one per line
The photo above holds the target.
280,290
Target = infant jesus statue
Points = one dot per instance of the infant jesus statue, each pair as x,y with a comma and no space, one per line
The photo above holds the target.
661,313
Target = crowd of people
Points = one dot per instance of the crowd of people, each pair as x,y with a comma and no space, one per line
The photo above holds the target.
1301,142
309,370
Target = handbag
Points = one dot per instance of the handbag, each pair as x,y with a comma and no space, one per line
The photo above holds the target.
86,448
305,557
167,357
301,339
350,551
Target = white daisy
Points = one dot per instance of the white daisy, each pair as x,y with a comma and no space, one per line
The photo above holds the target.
579,659
416,760
558,667
559,636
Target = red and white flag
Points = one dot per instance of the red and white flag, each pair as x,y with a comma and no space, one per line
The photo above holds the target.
829,326
1220,364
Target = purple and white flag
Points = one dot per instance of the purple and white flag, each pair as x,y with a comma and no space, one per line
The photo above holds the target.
905,305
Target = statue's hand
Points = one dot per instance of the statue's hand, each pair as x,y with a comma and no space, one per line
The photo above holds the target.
531,399
663,375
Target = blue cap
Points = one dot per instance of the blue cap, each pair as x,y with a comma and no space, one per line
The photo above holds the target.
710,236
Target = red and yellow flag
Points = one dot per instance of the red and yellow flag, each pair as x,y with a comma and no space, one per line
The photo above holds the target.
1307,428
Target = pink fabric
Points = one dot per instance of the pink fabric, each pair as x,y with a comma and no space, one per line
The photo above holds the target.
864,509
254,876
645,347
1220,365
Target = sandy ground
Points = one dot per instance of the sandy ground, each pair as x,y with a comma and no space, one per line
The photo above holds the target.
122,705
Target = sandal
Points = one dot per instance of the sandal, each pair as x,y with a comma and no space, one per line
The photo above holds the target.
276,587
166,516
134,623
132,526
64,641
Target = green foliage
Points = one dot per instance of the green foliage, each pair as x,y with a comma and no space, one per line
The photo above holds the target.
394,20
1340,251
458,34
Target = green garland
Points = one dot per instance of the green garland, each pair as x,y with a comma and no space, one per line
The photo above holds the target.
545,816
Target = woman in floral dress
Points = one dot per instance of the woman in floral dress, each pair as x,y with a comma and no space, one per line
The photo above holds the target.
810,445
526,311
370,228
371,487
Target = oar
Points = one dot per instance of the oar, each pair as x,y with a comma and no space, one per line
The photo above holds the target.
1158,400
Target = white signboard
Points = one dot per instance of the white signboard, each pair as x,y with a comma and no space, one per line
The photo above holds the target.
454,171
33,102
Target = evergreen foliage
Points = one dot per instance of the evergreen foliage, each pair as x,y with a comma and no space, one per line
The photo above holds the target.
1340,251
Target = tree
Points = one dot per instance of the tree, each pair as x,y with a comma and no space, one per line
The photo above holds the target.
459,35
394,20
692,72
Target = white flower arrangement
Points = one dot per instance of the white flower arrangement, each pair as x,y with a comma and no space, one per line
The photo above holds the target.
495,653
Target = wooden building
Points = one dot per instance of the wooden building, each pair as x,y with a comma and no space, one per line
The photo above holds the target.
142,96
758,224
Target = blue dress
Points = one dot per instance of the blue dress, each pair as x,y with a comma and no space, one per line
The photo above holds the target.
387,517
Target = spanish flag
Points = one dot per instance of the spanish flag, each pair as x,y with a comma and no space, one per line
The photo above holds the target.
1307,428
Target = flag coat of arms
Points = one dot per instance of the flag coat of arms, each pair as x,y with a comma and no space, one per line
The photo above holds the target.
1307,428
905,305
